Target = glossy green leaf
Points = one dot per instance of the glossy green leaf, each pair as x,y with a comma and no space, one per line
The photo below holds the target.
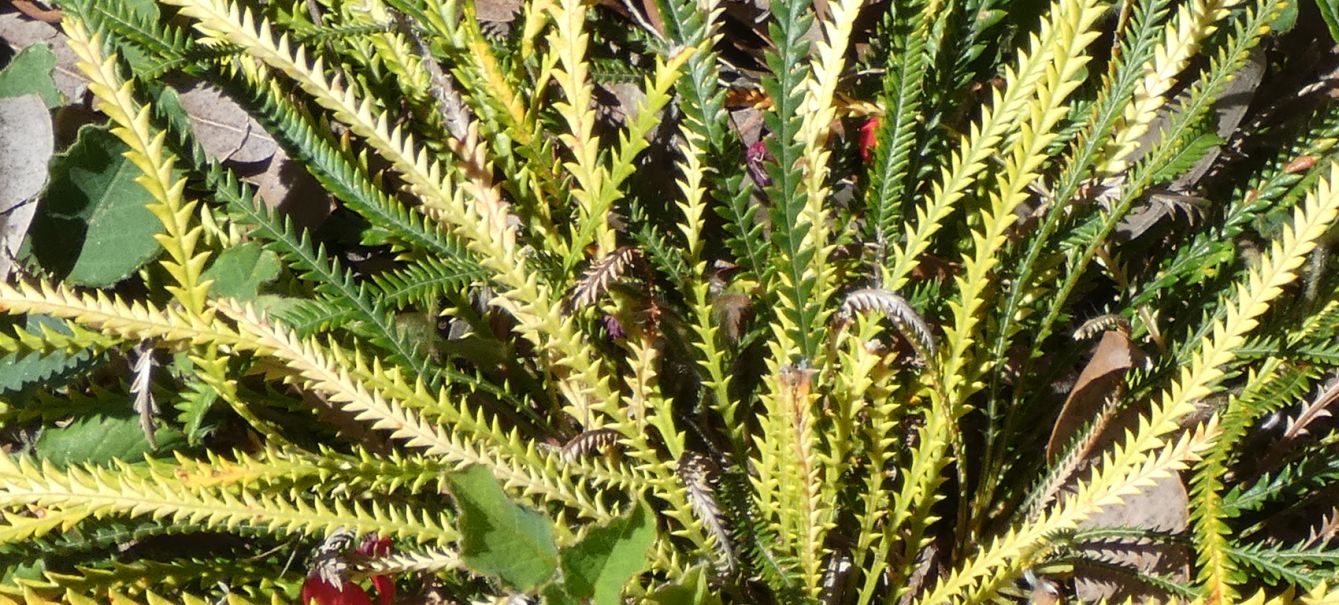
556,594
1329,11
691,589
599,565
240,271
1286,19
92,226
499,537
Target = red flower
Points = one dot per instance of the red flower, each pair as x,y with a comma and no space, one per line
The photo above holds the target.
385,589
327,585
376,547
316,590
373,546
868,138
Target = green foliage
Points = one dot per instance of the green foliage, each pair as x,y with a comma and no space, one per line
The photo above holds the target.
100,439
92,227
596,568
500,538
26,368
544,322
1329,11
29,72
240,272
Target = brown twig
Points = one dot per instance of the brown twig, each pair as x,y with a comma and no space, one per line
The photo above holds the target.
33,11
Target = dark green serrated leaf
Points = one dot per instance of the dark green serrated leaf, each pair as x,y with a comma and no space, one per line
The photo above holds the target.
499,537
22,570
1187,157
599,566
132,21
19,371
92,226
30,73
240,271
102,438
197,399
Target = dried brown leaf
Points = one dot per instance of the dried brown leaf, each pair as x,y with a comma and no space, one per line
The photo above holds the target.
1165,507
26,144
1316,410
497,11
225,130
286,186
590,443
1104,374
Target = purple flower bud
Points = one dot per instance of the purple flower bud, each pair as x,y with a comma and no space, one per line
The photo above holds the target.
614,328
756,156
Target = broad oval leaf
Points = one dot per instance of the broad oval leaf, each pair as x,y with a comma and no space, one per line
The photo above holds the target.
92,226
499,537
601,564
241,270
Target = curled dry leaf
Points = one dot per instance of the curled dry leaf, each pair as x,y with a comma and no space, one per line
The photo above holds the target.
698,474
1298,425
26,145
601,274
1104,374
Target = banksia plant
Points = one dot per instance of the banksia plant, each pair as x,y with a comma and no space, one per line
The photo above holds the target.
921,301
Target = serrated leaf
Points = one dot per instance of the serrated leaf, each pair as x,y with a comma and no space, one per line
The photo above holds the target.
499,537
30,73
22,570
600,565
127,14
192,409
19,371
240,271
1190,154
101,438
92,226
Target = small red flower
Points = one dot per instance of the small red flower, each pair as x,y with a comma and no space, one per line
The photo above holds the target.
373,546
327,583
317,590
385,589
385,586
868,139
